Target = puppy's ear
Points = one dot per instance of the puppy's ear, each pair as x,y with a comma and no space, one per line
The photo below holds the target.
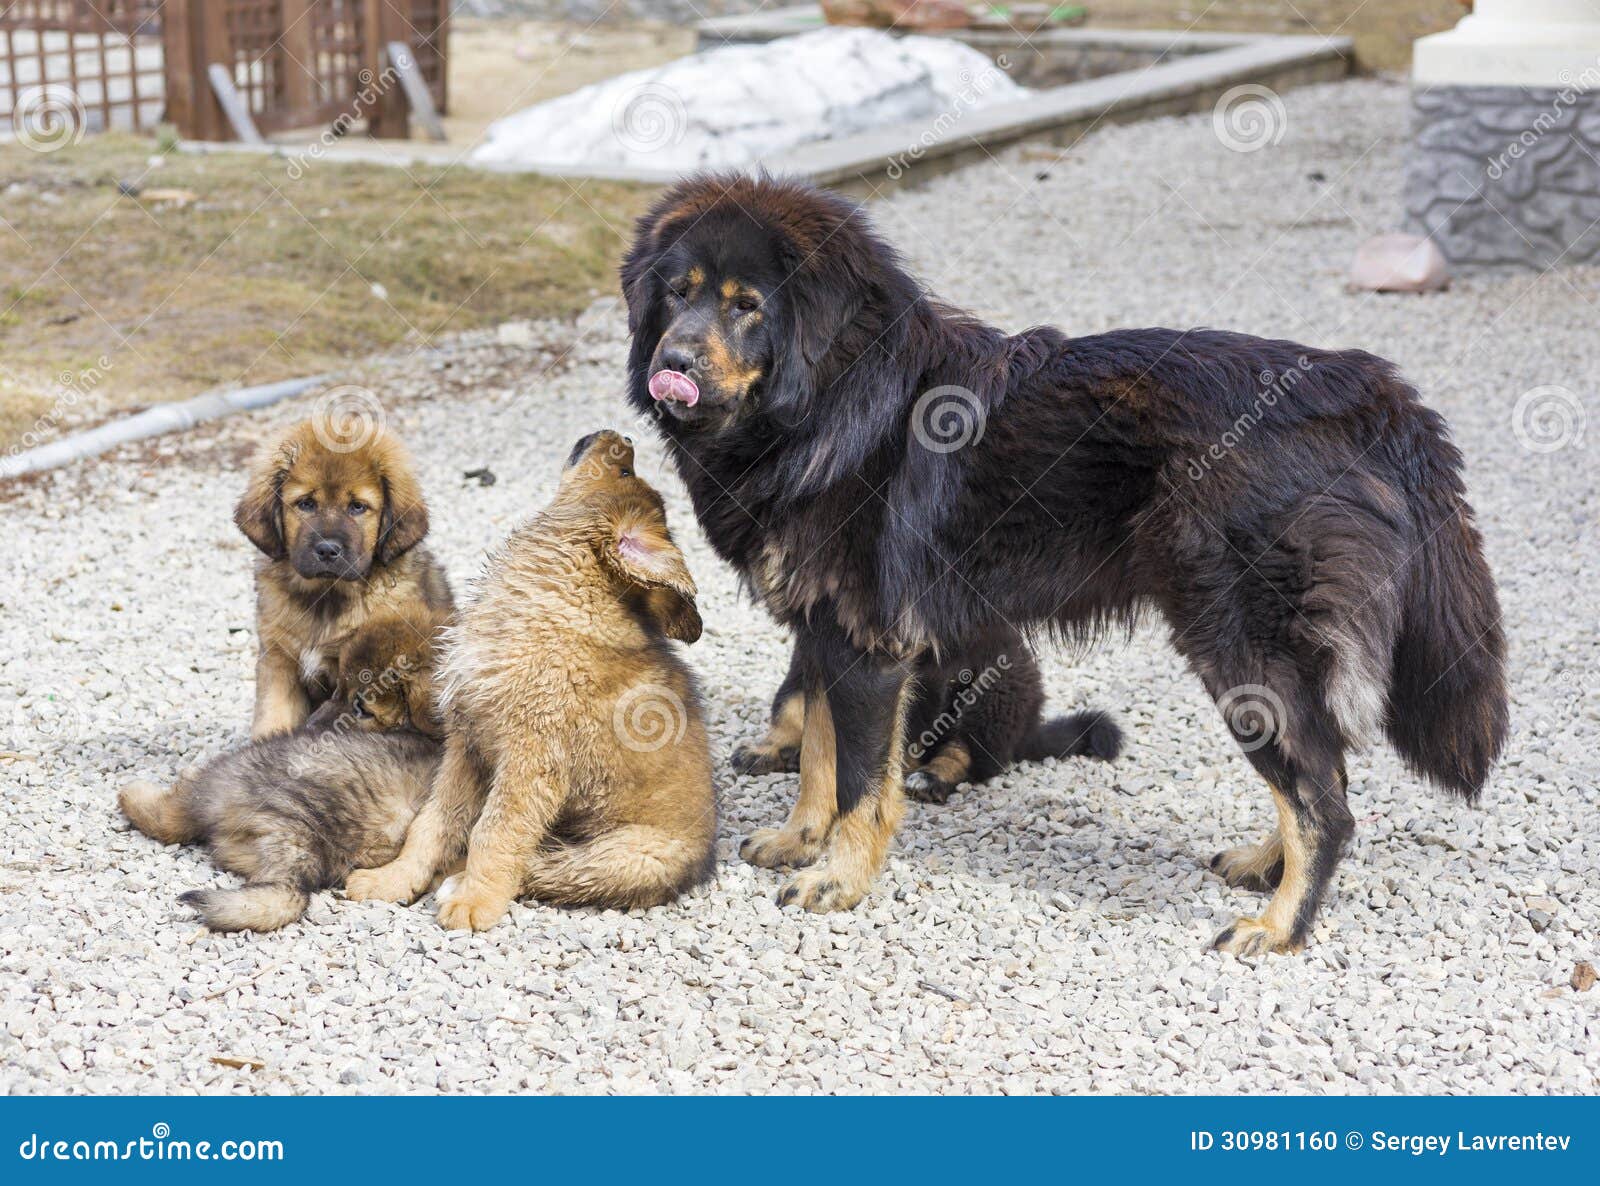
405,515
642,551
260,512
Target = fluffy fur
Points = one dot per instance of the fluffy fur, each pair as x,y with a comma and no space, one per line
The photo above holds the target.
970,717
295,813
577,768
338,524
892,477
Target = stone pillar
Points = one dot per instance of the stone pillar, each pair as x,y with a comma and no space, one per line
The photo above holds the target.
1505,153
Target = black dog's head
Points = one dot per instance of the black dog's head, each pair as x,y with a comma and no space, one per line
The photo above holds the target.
751,295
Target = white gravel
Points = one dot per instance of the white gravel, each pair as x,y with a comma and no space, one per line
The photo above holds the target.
1047,933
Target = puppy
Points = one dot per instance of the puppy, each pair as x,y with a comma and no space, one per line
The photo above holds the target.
576,753
294,813
969,717
338,525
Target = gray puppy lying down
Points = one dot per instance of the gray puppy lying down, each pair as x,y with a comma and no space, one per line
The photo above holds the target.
295,813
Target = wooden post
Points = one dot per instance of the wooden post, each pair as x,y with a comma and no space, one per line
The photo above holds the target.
298,68
386,114
193,35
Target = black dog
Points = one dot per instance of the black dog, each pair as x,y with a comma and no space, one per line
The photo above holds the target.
969,717
892,477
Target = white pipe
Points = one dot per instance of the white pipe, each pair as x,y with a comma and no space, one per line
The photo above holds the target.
153,422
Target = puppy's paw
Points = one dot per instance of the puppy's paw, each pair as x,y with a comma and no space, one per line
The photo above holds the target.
464,906
820,892
1249,868
1250,938
780,848
760,759
393,882
928,788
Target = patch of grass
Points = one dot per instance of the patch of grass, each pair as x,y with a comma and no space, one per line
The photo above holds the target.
120,300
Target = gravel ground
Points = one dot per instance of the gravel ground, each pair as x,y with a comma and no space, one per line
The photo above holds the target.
1044,933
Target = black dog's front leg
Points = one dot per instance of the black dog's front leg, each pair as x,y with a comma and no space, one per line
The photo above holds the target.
855,715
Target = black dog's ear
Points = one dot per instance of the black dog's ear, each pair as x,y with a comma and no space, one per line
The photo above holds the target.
260,512
815,316
405,517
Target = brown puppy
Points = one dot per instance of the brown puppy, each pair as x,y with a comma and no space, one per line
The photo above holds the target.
576,753
338,526
294,813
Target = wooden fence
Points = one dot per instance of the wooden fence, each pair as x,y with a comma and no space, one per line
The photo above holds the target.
294,63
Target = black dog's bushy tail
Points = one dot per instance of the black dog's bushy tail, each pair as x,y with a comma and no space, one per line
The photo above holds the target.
1447,695
260,906
1089,734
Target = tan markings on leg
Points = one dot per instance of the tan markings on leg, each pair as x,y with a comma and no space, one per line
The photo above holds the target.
1273,931
156,811
952,763
859,844
800,840
1257,867
785,732
936,779
432,840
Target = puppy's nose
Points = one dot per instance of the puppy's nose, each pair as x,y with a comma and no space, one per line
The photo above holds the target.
675,358
329,550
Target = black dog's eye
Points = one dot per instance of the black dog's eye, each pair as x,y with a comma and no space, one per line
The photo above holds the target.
307,504
357,507
679,289
747,304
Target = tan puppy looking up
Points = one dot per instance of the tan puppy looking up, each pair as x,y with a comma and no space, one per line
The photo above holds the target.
577,768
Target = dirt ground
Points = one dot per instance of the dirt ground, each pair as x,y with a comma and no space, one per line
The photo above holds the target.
497,67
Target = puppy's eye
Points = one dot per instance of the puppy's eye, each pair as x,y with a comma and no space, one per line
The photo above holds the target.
625,472
306,504
357,507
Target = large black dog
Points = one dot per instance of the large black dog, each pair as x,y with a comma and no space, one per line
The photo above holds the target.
891,477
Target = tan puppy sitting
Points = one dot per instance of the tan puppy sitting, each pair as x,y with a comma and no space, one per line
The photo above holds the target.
575,753
339,520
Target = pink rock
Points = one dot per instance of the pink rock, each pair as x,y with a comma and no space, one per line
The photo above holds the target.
1398,263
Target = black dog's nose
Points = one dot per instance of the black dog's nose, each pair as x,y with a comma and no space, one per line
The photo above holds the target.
675,358
329,550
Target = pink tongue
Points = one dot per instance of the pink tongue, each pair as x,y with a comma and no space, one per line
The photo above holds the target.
674,385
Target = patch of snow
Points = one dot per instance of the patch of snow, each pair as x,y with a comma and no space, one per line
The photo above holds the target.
734,106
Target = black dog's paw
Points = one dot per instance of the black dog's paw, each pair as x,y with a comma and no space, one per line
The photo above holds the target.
928,788
755,759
